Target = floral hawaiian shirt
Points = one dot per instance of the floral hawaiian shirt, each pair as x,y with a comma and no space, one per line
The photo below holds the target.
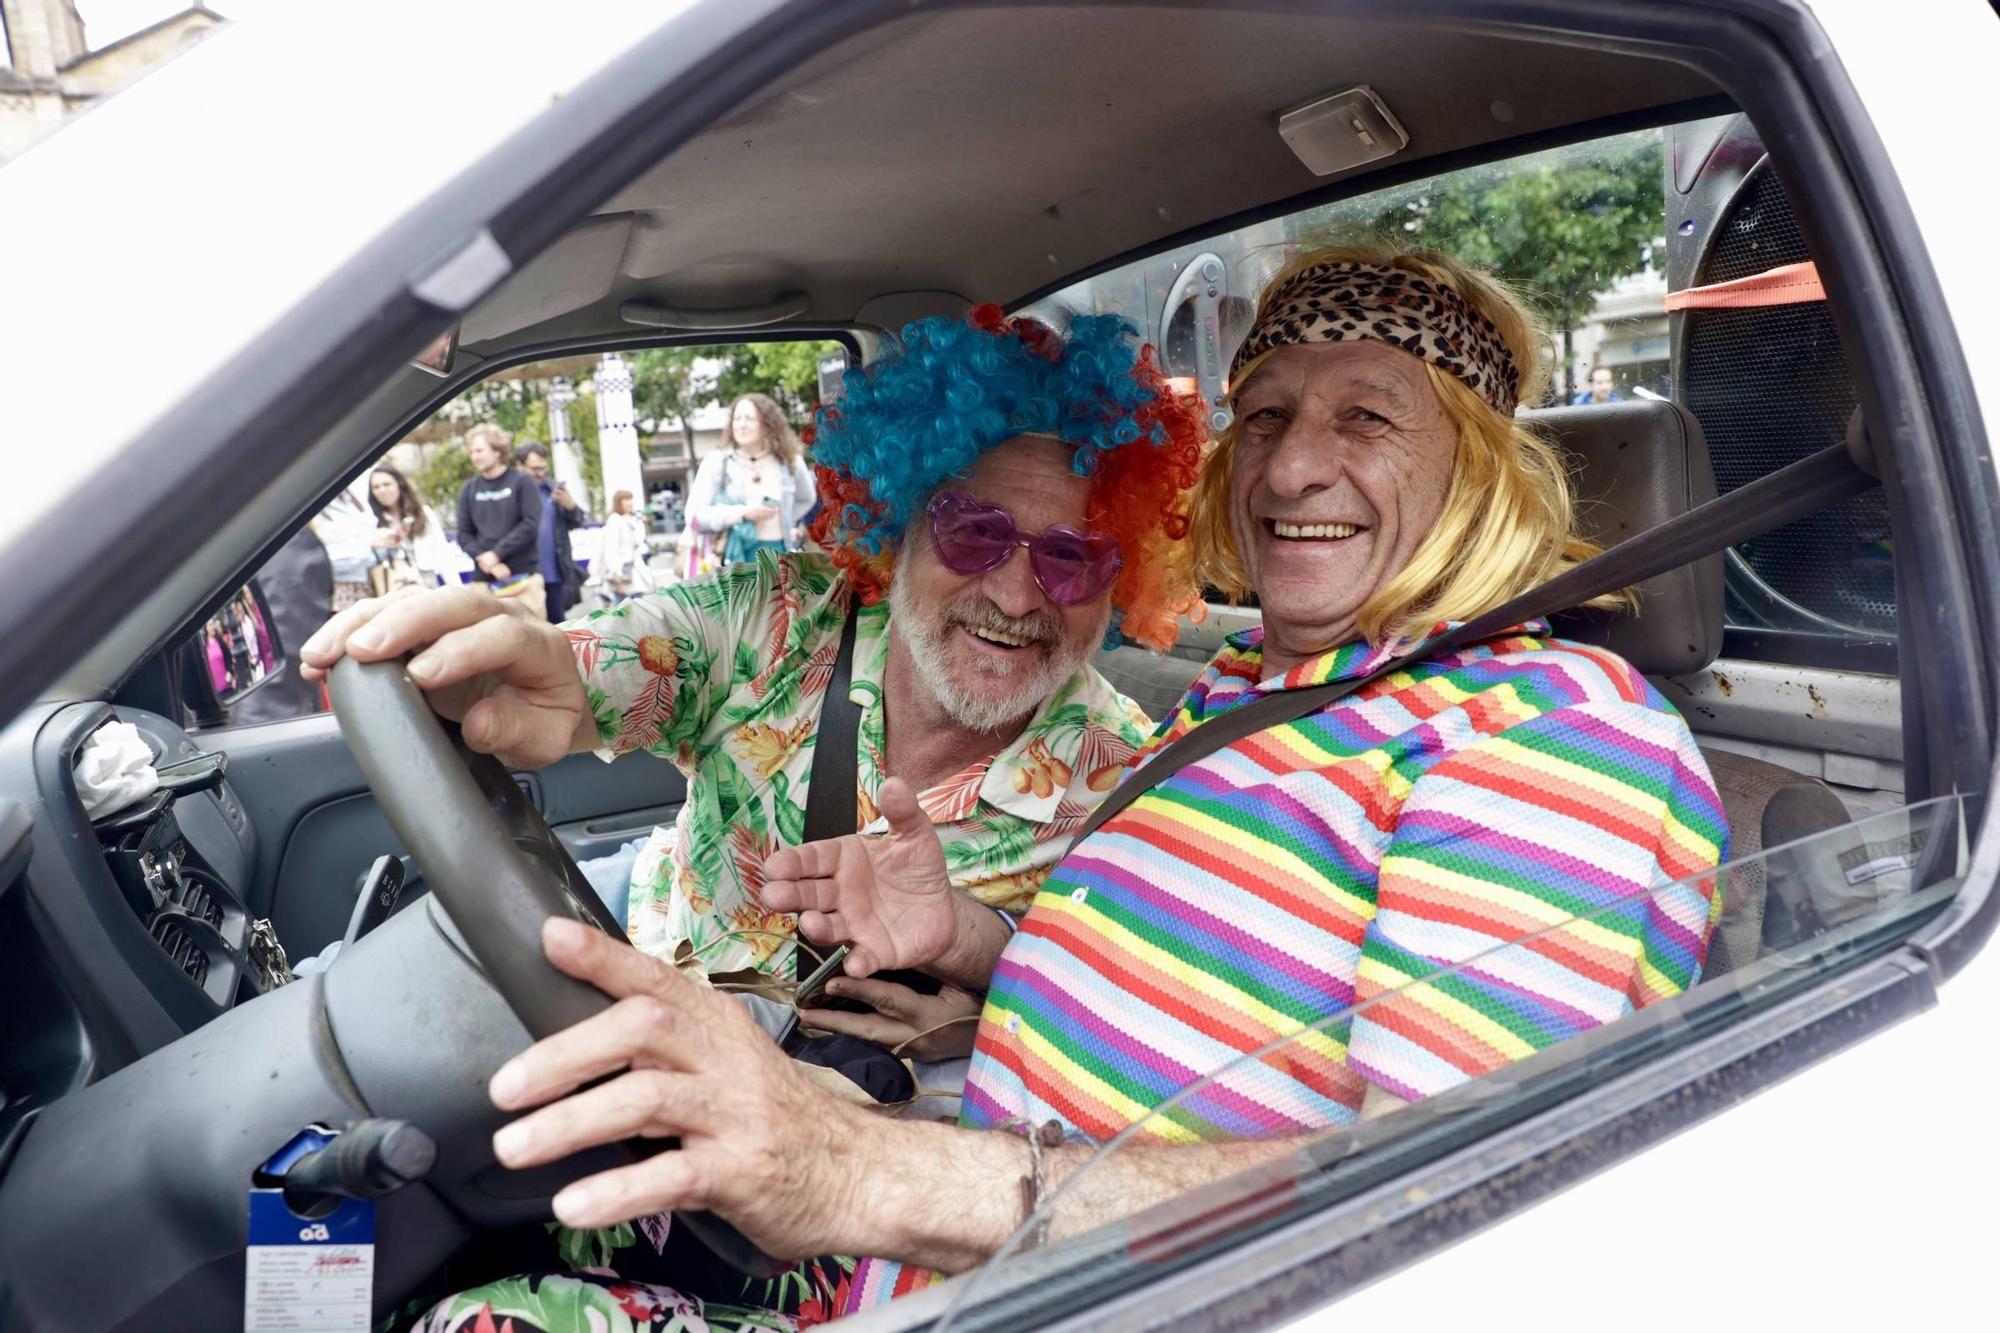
724,674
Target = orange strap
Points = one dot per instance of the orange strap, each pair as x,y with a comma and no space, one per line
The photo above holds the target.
1789,284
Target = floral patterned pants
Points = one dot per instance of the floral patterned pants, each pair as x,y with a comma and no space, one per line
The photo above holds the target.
647,1277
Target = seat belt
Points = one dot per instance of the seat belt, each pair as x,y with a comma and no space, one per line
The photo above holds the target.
1792,492
830,806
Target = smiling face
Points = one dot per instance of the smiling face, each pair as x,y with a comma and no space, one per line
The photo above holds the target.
1343,460
385,490
990,647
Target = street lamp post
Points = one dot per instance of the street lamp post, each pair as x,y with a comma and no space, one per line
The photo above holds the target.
617,432
568,466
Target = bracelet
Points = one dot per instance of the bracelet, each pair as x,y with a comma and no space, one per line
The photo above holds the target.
1048,1134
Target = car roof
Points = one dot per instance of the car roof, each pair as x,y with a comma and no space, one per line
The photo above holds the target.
958,152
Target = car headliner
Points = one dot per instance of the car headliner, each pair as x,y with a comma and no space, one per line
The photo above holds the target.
987,153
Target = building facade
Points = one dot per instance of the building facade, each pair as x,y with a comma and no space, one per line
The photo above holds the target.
49,71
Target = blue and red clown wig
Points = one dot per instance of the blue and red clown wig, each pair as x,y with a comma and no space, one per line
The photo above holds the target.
960,387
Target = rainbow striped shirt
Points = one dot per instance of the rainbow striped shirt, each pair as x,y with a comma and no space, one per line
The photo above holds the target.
1503,791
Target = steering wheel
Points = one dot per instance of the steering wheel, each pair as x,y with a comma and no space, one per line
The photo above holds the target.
497,869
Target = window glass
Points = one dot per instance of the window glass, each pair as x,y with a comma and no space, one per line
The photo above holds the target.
1581,230
1819,904
637,423
1596,235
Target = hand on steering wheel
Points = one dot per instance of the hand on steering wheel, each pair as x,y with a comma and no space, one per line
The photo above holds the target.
491,861
509,681
759,1142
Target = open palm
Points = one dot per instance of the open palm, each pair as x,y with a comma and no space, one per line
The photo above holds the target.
886,896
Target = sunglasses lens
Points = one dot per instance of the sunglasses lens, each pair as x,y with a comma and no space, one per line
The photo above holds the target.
1074,567
970,538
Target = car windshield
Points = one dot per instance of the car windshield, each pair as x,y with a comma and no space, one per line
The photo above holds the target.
1821,904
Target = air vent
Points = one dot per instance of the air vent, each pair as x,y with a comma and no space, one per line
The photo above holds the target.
196,902
180,946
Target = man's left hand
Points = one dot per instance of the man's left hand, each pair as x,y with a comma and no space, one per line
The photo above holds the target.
561,496
760,1144
908,1022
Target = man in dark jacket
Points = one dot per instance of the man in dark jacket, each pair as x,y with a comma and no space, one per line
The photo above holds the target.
560,513
499,513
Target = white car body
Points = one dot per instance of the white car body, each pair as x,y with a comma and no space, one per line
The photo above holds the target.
1858,1193
1852,1195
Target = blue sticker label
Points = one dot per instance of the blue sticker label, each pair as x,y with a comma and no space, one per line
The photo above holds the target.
307,1274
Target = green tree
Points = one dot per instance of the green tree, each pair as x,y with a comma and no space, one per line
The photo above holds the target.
788,371
666,382
1561,228
446,468
505,400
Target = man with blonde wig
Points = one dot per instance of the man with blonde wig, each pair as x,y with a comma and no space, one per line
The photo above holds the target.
1465,860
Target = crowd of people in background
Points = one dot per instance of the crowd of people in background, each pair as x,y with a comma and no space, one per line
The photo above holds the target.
236,645
513,523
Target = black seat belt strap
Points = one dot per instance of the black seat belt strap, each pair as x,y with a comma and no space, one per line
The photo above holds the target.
1792,492
831,811
830,805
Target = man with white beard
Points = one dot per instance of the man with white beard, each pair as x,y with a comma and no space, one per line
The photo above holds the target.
1009,488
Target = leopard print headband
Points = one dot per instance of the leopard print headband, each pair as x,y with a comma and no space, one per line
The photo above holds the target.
1342,301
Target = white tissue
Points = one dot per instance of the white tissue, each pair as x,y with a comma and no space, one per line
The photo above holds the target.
116,769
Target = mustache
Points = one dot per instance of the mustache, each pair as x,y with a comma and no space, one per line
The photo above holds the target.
1037,626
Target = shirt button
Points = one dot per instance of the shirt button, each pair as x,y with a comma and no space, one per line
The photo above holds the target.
1013,1024
1078,895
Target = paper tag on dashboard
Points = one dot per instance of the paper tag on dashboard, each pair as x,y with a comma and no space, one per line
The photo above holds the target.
307,1274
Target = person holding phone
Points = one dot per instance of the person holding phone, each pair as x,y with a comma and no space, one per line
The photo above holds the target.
755,495
406,527
560,515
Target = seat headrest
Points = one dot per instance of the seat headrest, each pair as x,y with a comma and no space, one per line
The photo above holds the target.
1634,465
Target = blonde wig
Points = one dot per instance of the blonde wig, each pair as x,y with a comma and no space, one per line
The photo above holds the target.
1508,521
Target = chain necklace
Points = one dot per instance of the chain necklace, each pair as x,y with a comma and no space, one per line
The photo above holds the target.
756,464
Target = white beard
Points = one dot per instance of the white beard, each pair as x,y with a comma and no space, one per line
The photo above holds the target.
928,640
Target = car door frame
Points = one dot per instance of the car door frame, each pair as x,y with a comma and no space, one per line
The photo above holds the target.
394,296
260,746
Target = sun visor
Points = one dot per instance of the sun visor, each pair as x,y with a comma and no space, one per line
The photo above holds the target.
576,271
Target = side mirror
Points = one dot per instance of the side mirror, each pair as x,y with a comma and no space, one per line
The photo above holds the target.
439,357
236,651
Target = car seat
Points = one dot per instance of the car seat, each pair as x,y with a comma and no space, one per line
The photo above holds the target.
1635,464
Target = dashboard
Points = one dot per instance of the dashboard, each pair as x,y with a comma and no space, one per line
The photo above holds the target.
117,937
